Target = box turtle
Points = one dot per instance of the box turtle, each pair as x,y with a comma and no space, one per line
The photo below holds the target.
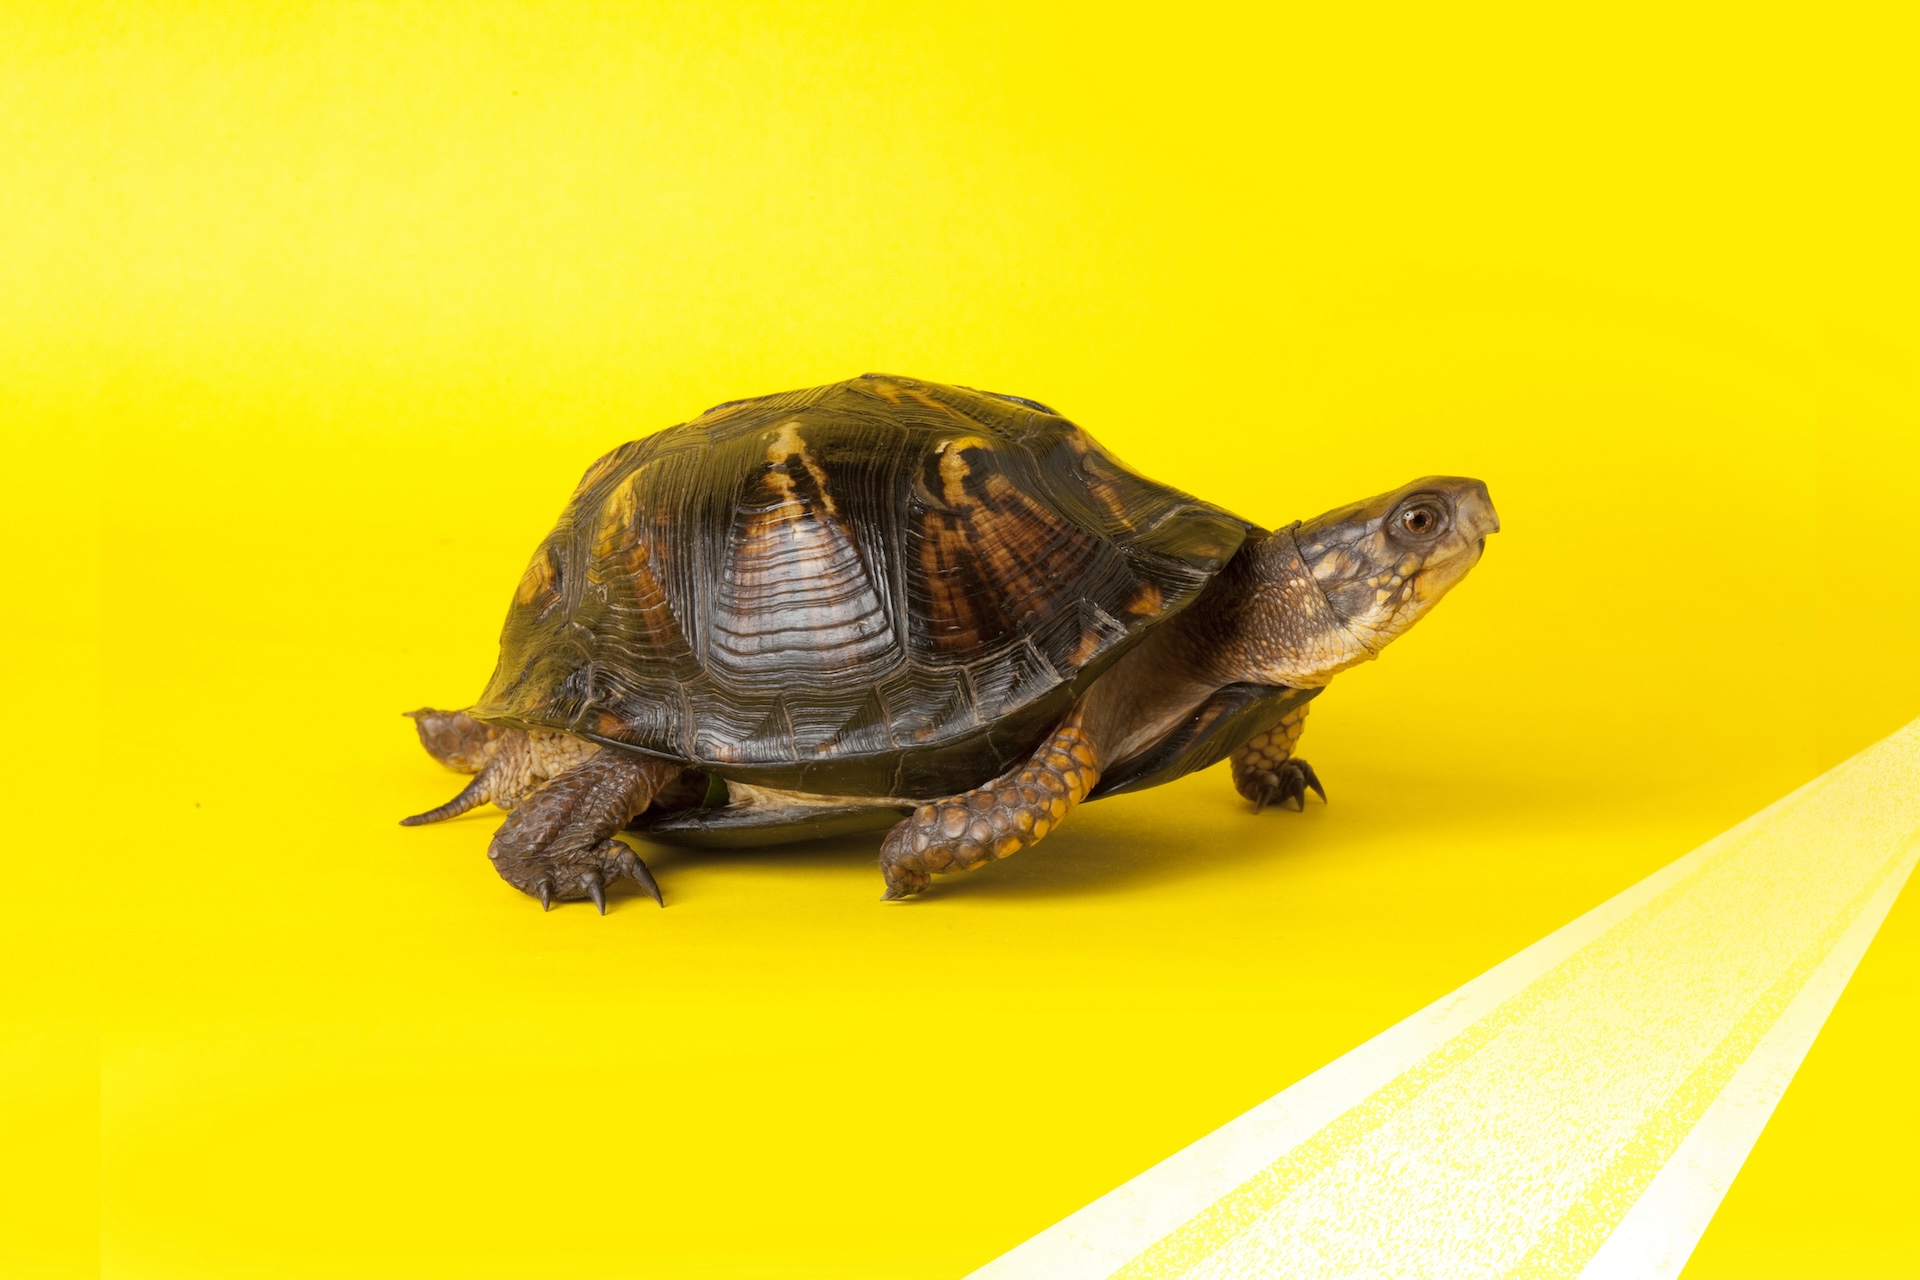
889,603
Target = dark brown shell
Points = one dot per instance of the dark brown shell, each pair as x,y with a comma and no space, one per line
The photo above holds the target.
880,587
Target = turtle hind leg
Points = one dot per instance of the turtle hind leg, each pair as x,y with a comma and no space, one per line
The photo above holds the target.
991,822
1266,771
558,843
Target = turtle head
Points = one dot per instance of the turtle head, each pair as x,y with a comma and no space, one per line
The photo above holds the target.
1335,590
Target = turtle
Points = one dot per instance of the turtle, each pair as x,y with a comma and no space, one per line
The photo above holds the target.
892,604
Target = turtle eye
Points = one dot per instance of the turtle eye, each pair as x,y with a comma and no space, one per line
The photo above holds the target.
1421,520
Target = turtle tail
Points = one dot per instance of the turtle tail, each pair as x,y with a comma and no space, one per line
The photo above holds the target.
504,780
472,796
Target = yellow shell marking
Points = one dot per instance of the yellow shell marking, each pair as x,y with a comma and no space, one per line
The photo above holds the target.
1147,601
787,444
605,465
537,581
954,470
616,529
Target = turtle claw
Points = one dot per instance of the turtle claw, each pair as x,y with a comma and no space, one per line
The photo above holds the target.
636,870
1313,783
903,882
581,876
1287,785
611,861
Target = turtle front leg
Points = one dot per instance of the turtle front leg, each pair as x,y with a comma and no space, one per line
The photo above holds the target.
1266,770
994,821
558,842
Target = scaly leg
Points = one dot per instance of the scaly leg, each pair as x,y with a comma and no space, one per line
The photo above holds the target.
994,821
1266,770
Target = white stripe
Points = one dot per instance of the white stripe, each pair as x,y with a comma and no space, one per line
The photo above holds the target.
1658,1234
1605,1082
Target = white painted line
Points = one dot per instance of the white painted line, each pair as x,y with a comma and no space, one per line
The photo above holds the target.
1579,1108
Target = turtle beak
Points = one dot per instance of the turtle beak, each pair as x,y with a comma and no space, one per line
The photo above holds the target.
1473,510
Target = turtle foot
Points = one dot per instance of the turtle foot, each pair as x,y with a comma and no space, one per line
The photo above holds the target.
1286,783
578,877
558,844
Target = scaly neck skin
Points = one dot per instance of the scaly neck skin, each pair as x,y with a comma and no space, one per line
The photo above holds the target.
1264,620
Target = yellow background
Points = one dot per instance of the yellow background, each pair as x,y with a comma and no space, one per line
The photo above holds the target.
310,315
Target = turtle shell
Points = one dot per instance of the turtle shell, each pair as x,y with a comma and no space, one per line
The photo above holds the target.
882,587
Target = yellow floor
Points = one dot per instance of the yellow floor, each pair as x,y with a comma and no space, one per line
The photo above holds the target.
309,319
